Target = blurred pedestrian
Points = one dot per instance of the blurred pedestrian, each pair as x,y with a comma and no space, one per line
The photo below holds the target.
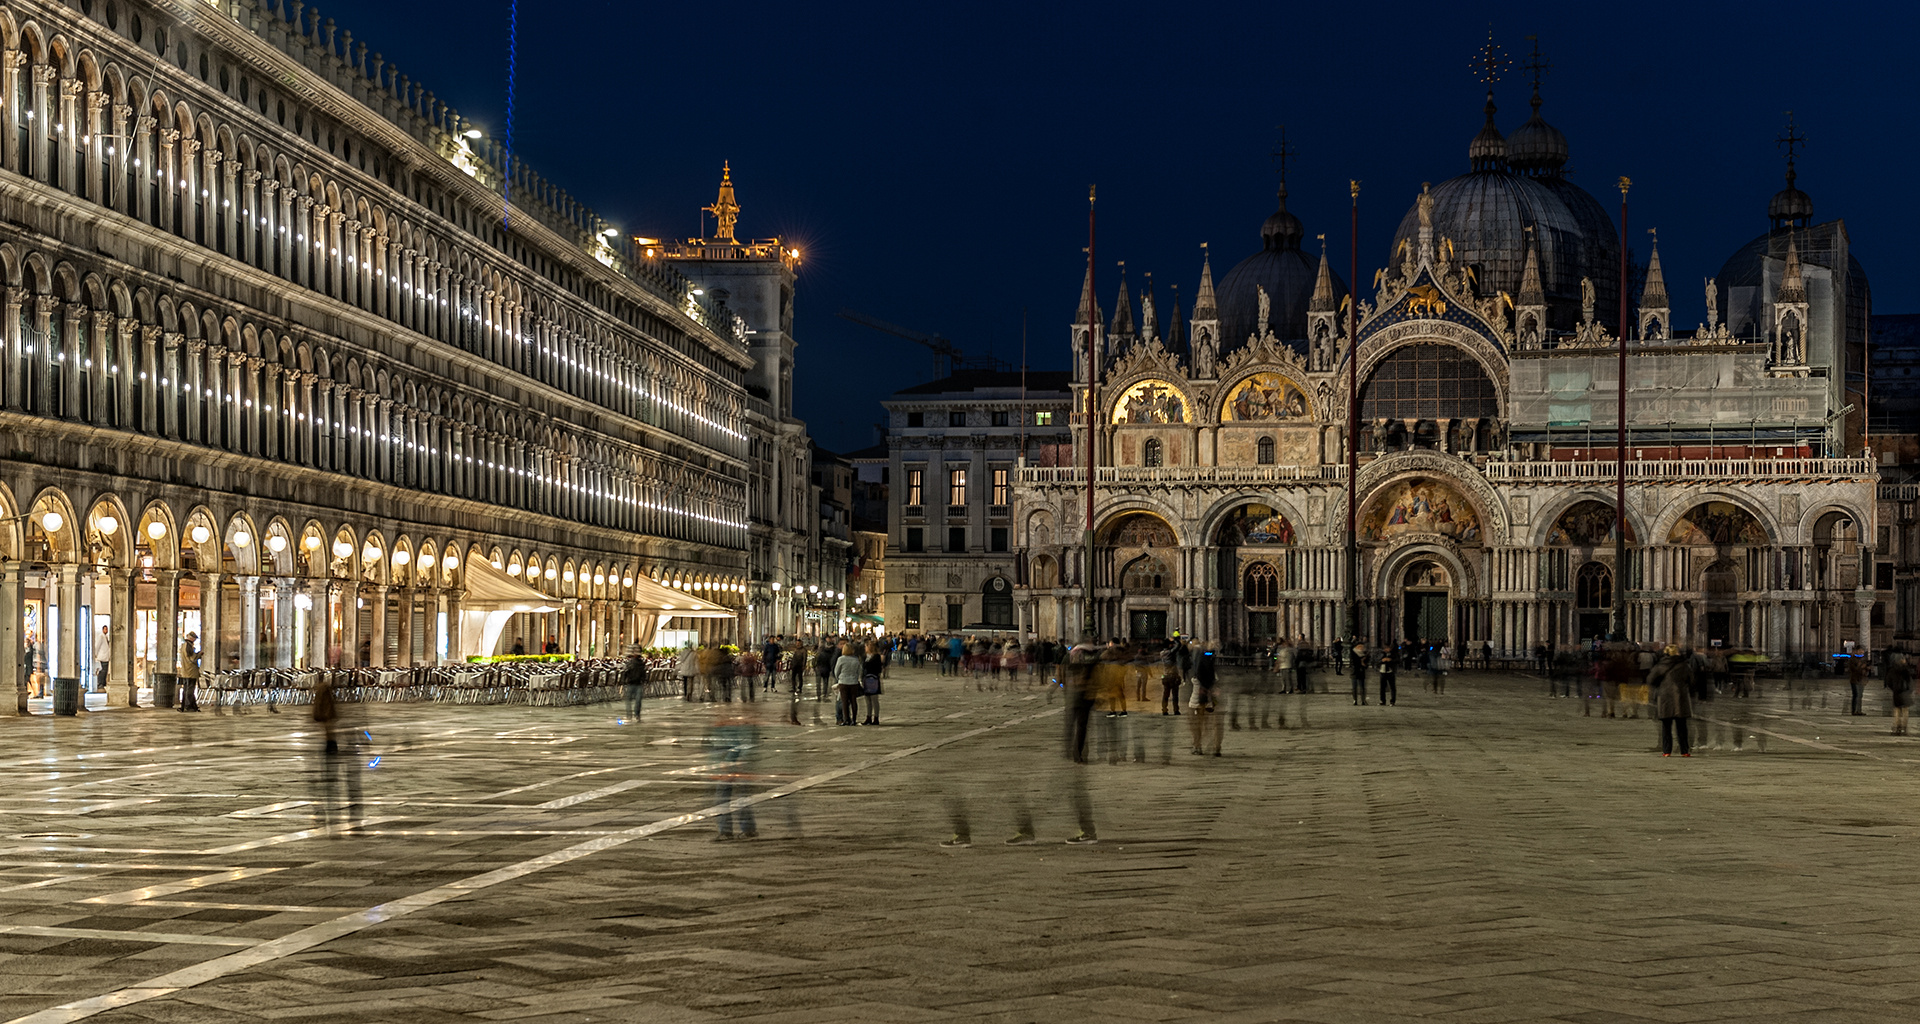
1170,680
1359,673
1204,704
875,669
633,677
1440,668
1899,680
847,671
1389,689
686,666
1857,679
1672,681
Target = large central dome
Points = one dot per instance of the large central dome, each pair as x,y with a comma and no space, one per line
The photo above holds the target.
1487,212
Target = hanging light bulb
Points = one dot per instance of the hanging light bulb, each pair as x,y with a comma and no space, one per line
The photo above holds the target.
241,538
108,525
552,572
200,534
156,530
626,581
451,561
370,553
52,522
342,548
513,568
402,557
312,542
276,543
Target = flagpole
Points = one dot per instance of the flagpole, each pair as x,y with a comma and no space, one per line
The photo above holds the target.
1353,414
1620,442
1089,626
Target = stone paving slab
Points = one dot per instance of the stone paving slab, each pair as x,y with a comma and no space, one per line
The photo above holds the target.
1491,855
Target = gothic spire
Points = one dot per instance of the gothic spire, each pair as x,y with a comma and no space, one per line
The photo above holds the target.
1323,299
726,212
1531,291
1086,301
1793,288
1203,303
1123,314
1655,294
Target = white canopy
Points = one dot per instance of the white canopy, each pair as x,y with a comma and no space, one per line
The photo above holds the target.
490,590
668,602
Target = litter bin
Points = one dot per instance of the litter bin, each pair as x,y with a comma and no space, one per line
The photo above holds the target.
164,684
66,696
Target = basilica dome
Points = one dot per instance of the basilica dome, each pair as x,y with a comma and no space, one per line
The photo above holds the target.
1487,213
1286,272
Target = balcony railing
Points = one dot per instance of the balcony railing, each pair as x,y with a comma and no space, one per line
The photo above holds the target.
1495,471
1180,474
1681,469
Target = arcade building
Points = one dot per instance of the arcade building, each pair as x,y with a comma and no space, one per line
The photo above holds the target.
1487,369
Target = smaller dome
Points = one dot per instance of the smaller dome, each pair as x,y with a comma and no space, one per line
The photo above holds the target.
1282,231
1488,150
1537,147
1790,205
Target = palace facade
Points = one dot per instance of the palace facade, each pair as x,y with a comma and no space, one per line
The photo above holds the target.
298,359
1487,371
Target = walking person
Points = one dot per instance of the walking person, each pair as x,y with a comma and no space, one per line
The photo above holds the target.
847,672
1672,682
1359,674
1389,691
1205,706
685,666
1899,680
1170,680
633,677
189,672
876,667
1439,668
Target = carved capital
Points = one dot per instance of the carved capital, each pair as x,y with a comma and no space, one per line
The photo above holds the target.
45,304
43,74
97,101
188,147
72,87
152,335
103,320
144,125
14,60
169,136
196,347
76,311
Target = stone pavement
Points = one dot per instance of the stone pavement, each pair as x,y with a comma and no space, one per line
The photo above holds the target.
1490,855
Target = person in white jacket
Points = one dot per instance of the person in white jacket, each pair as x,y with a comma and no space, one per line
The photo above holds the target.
846,683
686,668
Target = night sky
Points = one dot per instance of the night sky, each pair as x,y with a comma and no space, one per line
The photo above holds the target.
933,163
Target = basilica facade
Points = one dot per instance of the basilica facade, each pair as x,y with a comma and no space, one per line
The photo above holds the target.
1487,371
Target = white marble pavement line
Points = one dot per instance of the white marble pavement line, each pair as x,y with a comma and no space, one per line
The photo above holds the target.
347,924
183,885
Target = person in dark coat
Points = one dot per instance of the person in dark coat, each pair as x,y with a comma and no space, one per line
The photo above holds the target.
1899,680
1672,682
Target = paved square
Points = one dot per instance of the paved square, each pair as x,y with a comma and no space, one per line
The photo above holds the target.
1490,855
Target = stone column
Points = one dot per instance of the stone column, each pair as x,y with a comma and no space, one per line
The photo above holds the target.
76,348
249,621
13,604
169,181
39,367
213,653
10,64
43,76
13,364
71,92
1863,614
454,600
317,624
404,628
120,647
67,666
377,626
166,634
350,624
283,612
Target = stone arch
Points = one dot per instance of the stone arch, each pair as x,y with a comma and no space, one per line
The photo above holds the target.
63,542
165,548
1670,516
1294,376
1382,343
1223,508
1547,516
279,563
1384,571
1496,527
1113,516
1817,510
242,542
117,544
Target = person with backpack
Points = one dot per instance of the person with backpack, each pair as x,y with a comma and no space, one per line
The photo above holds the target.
633,677
875,668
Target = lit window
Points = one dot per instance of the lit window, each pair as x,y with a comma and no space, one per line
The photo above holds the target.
956,487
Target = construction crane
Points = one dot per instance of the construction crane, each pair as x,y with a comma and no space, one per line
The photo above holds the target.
942,348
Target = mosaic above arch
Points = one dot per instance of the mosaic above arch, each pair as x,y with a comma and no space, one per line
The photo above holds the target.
1151,401
1420,505
1265,397
1717,523
1255,524
1585,524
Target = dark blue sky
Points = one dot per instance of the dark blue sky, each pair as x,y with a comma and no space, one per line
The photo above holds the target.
933,162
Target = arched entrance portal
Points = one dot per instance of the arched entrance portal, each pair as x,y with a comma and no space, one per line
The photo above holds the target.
1426,602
